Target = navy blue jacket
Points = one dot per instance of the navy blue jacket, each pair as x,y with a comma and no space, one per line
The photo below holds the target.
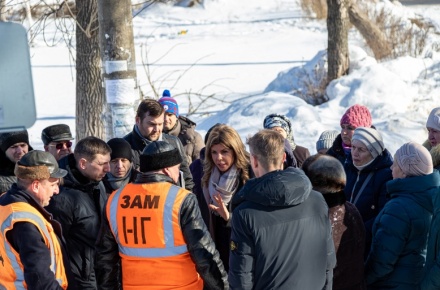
281,235
374,195
400,234
431,280
337,151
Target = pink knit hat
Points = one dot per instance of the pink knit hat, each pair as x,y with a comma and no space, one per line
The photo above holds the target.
357,116
414,159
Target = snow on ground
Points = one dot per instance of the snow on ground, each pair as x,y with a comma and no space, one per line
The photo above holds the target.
249,53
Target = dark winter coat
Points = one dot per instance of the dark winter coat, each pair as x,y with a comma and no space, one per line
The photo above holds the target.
26,238
7,176
301,154
400,234
195,233
138,144
281,235
192,141
337,150
374,196
111,185
431,280
78,207
196,168
348,233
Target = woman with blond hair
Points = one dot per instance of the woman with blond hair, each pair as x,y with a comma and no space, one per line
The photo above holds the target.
226,170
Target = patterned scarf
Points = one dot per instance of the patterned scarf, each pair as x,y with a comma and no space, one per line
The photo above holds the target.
226,184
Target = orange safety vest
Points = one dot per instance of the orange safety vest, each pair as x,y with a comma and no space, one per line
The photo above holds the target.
12,272
144,219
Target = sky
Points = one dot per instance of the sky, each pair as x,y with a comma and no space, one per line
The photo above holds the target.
251,55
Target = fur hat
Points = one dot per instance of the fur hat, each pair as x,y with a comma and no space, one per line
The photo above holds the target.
357,116
371,138
326,173
38,165
276,120
10,138
54,133
326,139
434,119
169,104
414,159
120,149
159,155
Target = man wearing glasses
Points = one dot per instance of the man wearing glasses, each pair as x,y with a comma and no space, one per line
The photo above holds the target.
80,203
57,140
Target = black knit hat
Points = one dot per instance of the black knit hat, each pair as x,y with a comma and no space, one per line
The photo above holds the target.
10,138
120,149
158,155
54,133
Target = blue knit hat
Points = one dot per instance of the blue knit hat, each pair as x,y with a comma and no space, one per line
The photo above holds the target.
169,104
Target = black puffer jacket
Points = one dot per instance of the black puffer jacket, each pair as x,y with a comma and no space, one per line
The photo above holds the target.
281,235
200,245
26,238
138,144
78,208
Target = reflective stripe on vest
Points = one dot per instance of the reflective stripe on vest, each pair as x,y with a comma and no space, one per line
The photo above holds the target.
23,212
170,248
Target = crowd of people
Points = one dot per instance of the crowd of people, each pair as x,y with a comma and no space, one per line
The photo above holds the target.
163,208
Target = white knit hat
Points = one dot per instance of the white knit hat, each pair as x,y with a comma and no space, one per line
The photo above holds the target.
434,119
371,138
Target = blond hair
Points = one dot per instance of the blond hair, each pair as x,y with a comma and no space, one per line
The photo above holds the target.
268,147
227,136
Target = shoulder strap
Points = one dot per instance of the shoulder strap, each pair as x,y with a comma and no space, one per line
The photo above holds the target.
363,186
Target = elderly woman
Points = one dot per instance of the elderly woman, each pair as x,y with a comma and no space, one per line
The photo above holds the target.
400,231
328,177
368,170
433,142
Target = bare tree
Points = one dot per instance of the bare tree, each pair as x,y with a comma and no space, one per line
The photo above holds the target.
2,10
90,100
337,26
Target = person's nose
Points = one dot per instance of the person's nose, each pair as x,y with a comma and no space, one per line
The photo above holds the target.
106,167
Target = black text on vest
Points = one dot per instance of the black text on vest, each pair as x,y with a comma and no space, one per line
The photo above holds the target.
138,201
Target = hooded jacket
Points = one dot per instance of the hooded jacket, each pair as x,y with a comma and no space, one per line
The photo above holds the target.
78,207
431,281
192,141
138,144
281,235
400,234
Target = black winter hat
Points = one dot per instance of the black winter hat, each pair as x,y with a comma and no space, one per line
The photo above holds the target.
10,138
54,133
120,149
158,155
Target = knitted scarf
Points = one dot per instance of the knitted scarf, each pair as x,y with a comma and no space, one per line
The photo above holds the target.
226,184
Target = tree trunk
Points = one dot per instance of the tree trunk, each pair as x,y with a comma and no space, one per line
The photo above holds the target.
375,39
2,10
337,26
89,93
118,58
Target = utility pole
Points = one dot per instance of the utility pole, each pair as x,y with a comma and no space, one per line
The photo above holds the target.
118,65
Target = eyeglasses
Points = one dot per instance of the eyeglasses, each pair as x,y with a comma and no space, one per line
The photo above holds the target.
60,145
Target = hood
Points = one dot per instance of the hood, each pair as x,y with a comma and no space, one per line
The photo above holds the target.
420,189
287,187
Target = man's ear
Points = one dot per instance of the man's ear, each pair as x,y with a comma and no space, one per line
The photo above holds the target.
46,148
255,161
82,163
166,171
35,185
137,120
